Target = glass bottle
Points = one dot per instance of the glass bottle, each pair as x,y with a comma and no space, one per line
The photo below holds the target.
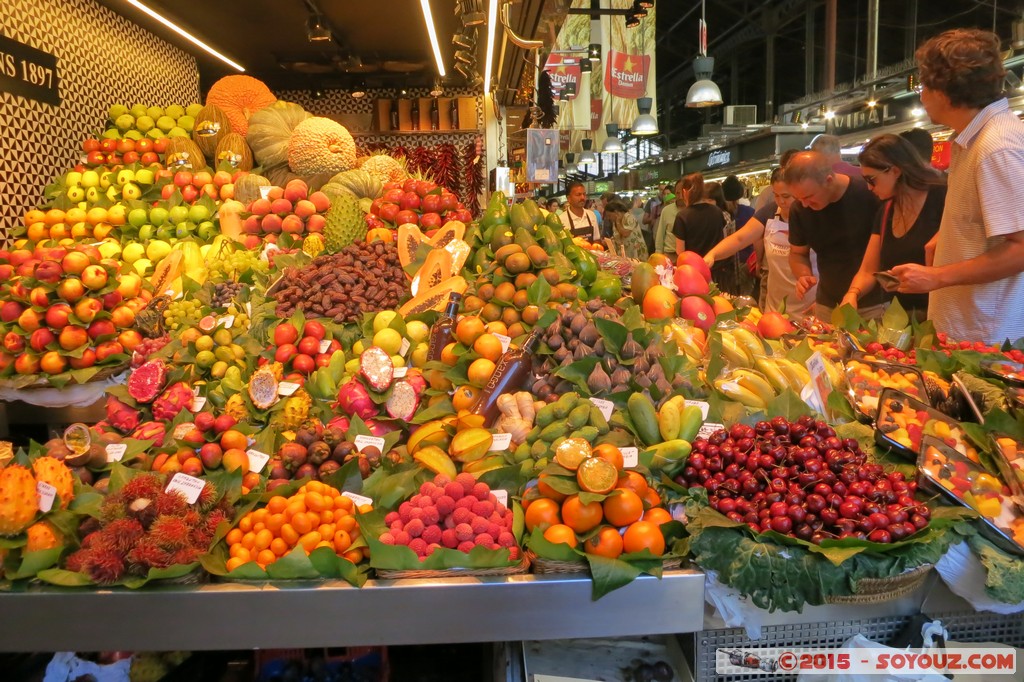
453,113
435,115
393,114
441,332
415,113
510,374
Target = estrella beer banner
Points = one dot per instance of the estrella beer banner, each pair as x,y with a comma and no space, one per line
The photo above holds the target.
626,75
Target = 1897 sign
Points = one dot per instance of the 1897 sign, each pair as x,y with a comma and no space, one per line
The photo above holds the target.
28,72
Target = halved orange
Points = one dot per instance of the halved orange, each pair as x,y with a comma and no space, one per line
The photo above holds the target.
597,475
571,452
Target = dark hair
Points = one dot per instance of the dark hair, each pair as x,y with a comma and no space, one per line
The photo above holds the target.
732,188
921,140
610,196
615,206
965,64
713,190
777,174
892,151
786,156
694,186
573,185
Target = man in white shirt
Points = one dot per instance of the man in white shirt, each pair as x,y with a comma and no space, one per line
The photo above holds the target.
580,221
975,270
664,239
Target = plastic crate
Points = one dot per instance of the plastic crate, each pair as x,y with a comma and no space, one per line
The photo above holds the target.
363,664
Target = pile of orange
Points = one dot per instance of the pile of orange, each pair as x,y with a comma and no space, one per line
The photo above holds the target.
315,516
628,520
478,338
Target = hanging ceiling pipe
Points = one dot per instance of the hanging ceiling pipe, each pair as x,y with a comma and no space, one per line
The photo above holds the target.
516,39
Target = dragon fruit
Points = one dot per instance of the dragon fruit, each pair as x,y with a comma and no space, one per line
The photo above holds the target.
263,388
376,368
172,401
145,382
380,429
154,431
354,399
121,416
403,401
339,422
415,378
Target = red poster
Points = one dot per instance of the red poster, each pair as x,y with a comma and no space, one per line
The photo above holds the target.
563,74
626,74
940,155
596,107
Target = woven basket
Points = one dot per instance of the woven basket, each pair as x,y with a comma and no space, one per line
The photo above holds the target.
388,574
42,383
548,566
877,590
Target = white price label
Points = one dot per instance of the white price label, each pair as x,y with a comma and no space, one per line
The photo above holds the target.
630,457
606,407
47,494
505,340
115,451
248,309
196,390
501,496
325,345
400,372
198,403
369,441
709,428
227,321
265,192
359,500
704,407
404,348
500,441
188,486
820,382
257,460
286,388
810,396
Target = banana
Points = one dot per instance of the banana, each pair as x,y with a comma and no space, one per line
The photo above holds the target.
734,353
772,369
686,344
734,391
748,340
755,383
669,421
796,374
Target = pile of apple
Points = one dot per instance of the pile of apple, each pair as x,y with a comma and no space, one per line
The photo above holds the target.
139,121
166,222
301,355
290,210
219,186
75,224
111,151
66,309
419,202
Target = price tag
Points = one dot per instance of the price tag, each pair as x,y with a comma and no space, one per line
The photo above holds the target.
501,441
198,403
359,500
709,428
630,457
369,441
810,396
196,390
404,348
704,407
248,309
188,486
325,345
606,407
501,496
400,372
257,460
505,340
227,321
115,451
264,192
820,383
47,494
286,388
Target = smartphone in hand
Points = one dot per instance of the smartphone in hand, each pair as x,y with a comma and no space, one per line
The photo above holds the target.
887,280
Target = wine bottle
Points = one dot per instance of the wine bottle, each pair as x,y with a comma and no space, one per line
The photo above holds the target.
435,115
509,376
415,114
441,332
393,115
453,113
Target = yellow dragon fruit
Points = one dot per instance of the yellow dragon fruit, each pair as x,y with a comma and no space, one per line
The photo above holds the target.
53,471
295,412
236,407
19,501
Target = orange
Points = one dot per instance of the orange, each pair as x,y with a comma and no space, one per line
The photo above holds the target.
266,557
315,502
245,524
296,507
448,355
345,523
354,555
610,453
310,540
249,541
488,346
547,491
561,534
342,541
232,439
658,515
468,330
606,542
238,551
263,539
597,475
279,547
235,562
582,518
344,503
571,452
480,371
497,327
633,481
277,504
623,508
465,397
644,535
289,534
234,536
326,531
651,498
543,513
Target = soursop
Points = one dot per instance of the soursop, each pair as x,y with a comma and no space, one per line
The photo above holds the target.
345,223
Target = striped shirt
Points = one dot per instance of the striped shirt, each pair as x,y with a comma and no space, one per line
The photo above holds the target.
985,202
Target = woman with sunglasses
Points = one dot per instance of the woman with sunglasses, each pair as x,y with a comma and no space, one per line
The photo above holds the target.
913,195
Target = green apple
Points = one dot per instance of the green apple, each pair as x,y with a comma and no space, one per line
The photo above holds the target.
165,123
90,178
419,355
157,250
125,122
144,124
73,178
165,232
198,213
193,109
113,193
130,192
146,233
75,193
116,111
154,112
158,215
133,252
184,230
207,231
107,179
155,134
142,266
178,214
138,110
177,132
138,217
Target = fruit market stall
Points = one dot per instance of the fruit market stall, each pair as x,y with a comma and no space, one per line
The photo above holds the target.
338,392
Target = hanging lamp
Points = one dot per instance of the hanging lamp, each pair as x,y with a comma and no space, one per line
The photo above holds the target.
612,143
588,155
644,123
703,93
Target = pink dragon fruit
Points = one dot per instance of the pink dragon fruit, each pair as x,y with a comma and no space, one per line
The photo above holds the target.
354,399
172,401
339,422
403,401
154,431
415,379
381,429
376,368
121,416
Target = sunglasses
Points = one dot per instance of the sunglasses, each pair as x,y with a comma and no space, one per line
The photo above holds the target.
871,180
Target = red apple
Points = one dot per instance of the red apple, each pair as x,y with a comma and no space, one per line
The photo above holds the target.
57,315
41,338
144,145
204,421
430,221
285,353
304,364
405,217
772,325
94,277
90,144
314,329
149,158
389,212
201,178
410,201
182,178
160,144
223,423
108,144
189,194
108,348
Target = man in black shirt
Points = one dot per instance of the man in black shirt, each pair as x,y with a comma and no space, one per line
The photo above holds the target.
833,217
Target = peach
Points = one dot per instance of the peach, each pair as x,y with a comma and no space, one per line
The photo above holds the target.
39,297
30,320
6,272
27,364
251,225
296,191
57,315
202,178
321,201
281,207
19,256
71,289
53,362
122,317
129,338
275,193
72,337
101,328
292,224
87,360
94,277
773,325
189,194
221,178
260,207
87,309
49,272
271,223
315,223
14,342
10,310
304,208
112,299
75,262
108,348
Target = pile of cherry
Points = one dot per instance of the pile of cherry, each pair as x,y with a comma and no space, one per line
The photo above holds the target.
800,479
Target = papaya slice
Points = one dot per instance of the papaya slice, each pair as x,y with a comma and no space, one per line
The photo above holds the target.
167,272
435,269
453,229
409,240
434,298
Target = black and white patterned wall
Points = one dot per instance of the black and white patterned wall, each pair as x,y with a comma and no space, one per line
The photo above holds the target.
102,59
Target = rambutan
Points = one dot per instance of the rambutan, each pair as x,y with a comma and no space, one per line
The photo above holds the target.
192,519
146,486
122,535
170,532
95,540
104,566
144,510
170,503
186,555
147,555
113,508
208,498
76,560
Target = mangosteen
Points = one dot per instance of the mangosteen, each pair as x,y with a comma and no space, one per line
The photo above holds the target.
328,468
97,456
373,456
342,450
276,469
305,436
275,483
333,436
364,467
318,453
83,474
395,458
307,470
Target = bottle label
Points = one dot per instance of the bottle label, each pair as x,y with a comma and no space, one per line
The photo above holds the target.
505,340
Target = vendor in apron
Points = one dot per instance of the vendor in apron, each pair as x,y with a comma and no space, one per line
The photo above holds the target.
781,281
579,221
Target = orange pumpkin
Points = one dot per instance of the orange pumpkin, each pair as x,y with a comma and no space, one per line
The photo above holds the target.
239,97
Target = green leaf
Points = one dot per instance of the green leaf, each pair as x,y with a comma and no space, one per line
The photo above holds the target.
1004,579
895,317
609,574
439,410
347,478
789,405
63,578
330,565
578,372
846,317
613,333
391,489
839,406
633,319
538,293
33,562
716,359
296,565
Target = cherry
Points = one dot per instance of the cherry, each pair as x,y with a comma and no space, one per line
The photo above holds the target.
829,517
897,531
849,510
782,524
697,461
815,503
778,509
880,520
919,521
804,532
751,517
865,524
795,498
797,513
773,497
755,527
880,535
823,490
733,516
726,505
714,463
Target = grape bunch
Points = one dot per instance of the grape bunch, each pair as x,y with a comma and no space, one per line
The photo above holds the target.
224,292
147,348
231,265
182,313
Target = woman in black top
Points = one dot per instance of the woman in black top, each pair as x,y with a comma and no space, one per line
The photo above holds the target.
913,195
700,226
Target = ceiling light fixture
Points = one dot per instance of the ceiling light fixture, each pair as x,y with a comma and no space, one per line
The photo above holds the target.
594,52
492,25
632,20
646,4
185,34
359,90
437,90
644,124
829,115
588,155
612,143
429,19
464,57
639,10
872,103
704,92
570,159
317,30
466,42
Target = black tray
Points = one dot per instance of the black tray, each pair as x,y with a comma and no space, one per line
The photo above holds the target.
991,368
890,367
885,441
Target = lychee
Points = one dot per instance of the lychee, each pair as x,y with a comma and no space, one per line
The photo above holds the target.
441,480
466,502
466,546
484,540
431,534
403,512
479,525
445,505
391,518
417,545
397,525
436,494
480,491
402,538
506,539
414,528
464,532
427,488
454,490
431,515
449,539
387,539
467,481
462,515
483,508
415,513
494,529
430,548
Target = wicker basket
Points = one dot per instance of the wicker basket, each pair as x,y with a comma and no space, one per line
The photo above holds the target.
877,590
388,574
43,383
548,566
